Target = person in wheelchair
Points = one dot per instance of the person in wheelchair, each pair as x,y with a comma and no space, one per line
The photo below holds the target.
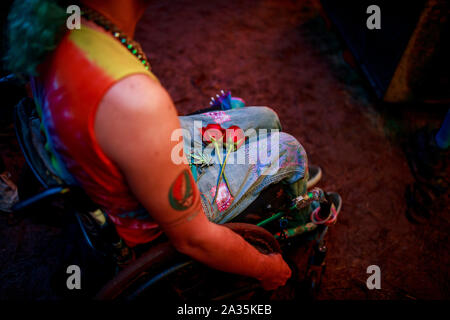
109,126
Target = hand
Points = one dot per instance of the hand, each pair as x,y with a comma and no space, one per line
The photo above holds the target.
276,274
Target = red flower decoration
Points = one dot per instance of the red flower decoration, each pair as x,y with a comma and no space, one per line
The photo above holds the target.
213,131
236,136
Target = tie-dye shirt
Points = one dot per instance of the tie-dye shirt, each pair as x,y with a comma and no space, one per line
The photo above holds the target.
67,93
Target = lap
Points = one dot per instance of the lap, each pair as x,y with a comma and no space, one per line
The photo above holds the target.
265,159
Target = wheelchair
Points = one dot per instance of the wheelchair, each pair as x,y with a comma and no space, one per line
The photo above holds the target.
160,271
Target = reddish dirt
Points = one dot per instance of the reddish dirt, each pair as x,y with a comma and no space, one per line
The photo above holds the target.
283,54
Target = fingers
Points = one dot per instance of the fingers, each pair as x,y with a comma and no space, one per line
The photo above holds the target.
279,275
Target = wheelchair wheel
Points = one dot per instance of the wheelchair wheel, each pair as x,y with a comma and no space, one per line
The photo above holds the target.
163,273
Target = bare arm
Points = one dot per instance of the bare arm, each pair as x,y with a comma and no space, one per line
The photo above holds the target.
133,126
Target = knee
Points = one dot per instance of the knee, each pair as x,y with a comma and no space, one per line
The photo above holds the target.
266,117
293,150
287,155
272,117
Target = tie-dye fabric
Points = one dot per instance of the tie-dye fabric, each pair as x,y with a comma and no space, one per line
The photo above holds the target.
72,83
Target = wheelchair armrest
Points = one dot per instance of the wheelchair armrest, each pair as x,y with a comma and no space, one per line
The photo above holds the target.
23,124
39,197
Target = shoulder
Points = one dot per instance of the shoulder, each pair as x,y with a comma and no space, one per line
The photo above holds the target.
136,115
136,95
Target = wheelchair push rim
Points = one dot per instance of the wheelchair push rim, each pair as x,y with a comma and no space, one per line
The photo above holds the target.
163,261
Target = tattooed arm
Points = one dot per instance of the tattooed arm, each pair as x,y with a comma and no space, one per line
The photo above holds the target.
133,126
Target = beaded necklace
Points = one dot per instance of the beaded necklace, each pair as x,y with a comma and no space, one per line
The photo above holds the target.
133,46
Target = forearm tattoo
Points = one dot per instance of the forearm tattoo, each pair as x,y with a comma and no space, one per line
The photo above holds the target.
182,192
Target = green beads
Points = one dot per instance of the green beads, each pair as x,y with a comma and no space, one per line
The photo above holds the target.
131,45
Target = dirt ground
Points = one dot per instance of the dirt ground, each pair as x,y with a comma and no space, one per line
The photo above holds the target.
281,54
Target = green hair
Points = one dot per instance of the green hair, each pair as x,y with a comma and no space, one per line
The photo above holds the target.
35,28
